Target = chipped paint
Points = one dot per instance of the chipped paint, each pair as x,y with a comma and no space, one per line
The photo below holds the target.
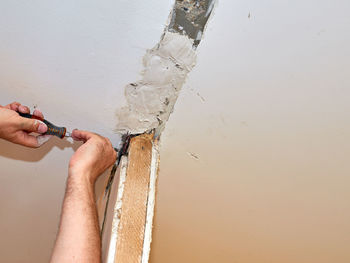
190,17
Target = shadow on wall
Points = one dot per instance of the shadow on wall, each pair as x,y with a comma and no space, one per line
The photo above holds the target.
18,152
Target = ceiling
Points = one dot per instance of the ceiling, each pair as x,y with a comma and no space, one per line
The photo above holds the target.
254,159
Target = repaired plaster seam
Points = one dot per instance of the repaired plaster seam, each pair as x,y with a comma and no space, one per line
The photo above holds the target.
151,100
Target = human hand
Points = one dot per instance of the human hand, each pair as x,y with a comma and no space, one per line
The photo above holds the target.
17,129
93,157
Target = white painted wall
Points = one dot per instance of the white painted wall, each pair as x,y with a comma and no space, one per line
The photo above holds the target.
271,180
72,59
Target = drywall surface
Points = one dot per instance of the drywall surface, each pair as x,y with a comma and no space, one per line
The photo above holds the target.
72,60
255,157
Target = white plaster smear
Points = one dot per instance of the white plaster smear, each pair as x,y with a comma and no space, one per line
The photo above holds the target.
151,100
117,211
150,203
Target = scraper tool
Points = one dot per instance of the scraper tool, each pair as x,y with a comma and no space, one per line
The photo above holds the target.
52,129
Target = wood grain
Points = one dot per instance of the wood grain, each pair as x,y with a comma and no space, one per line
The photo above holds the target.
134,209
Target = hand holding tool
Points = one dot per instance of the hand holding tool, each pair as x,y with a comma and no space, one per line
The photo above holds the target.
52,129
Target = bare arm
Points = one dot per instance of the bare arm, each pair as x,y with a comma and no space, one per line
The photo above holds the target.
78,238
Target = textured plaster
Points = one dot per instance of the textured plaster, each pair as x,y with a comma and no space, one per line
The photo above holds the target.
151,100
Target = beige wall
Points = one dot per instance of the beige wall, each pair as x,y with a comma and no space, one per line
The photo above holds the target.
271,183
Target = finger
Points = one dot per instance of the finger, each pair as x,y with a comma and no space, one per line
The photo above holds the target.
114,150
28,140
13,106
79,135
115,154
38,113
32,125
23,109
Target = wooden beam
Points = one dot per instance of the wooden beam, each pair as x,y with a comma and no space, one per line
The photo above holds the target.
133,214
127,235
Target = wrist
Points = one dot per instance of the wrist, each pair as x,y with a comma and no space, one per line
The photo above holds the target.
81,177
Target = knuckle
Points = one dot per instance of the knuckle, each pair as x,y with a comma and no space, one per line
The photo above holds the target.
108,141
35,125
107,144
99,146
22,125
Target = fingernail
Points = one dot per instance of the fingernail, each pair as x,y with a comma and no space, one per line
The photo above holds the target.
22,108
36,111
43,139
73,134
42,128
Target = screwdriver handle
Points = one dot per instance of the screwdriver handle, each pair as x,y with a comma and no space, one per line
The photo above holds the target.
52,129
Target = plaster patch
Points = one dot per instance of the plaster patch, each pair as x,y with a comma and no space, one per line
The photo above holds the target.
152,99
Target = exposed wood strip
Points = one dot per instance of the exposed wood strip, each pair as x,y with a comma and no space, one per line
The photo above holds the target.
134,204
106,212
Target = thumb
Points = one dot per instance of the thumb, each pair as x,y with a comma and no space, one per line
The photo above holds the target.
32,125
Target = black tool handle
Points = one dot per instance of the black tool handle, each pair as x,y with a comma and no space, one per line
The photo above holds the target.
51,128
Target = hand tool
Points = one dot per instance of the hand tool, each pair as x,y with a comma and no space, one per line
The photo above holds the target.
52,129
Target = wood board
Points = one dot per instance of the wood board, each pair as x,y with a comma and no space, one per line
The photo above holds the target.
128,235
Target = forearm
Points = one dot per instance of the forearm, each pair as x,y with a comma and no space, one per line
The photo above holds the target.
78,239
